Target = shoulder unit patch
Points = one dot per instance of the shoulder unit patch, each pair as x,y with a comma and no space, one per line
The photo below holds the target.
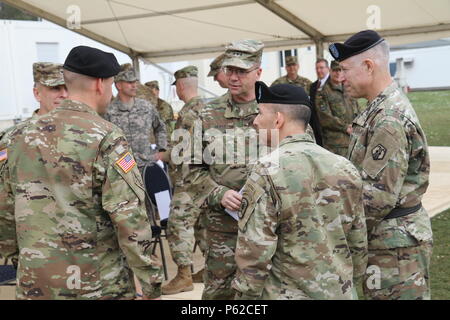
379,152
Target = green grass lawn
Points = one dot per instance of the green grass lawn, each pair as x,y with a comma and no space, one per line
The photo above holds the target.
433,110
440,262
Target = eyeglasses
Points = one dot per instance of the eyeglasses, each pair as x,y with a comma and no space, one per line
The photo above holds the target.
239,72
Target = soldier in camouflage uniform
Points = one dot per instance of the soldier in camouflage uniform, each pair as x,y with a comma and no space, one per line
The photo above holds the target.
292,76
336,111
143,92
49,90
214,181
302,232
49,87
390,149
137,118
72,188
217,72
185,218
164,108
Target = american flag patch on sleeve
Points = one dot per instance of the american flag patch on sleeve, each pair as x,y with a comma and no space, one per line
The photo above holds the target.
126,163
3,154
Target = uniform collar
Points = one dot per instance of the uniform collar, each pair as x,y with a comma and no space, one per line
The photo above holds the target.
300,137
193,100
124,106
376,104
382,96
35,114
339,87
76,106
240,110
293,81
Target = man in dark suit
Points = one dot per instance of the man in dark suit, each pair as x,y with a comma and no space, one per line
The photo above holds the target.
323,72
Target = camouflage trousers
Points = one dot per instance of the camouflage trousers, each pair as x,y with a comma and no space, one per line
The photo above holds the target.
399,273
186,225
200,233
220,266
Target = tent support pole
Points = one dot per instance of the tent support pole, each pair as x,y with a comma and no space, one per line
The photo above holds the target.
319,48
137,69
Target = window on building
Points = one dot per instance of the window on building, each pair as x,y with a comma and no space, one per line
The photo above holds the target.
287,53
393,68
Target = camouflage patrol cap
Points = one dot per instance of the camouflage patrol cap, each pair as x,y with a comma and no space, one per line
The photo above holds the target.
243,54
216,65
290,60
126,73
186,72
335,65
48,74
153,84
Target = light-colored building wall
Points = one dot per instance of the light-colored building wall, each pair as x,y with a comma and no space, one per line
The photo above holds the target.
425,68
24,42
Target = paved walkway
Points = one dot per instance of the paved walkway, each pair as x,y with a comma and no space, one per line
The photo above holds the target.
436,200
437,197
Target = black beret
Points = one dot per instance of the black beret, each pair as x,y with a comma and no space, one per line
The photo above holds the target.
281,93
356,44
92,62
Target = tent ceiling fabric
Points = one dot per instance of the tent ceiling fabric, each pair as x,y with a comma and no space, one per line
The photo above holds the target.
175,30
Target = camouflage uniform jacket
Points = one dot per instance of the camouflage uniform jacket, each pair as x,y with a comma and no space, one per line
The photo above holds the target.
5,133
143,92
300,81
302,233
138,123
187,117
5,140
166,114
390,149
76,217
209,178
336,111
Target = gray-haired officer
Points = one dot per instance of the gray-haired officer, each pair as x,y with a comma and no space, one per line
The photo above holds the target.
390,149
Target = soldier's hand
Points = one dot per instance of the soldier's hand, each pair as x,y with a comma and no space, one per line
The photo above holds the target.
164,156
231,200
349,129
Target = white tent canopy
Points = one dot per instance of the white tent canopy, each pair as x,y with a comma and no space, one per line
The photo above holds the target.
175,30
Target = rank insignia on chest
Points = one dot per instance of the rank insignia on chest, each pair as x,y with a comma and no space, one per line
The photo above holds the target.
378,152
126,162
3,154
